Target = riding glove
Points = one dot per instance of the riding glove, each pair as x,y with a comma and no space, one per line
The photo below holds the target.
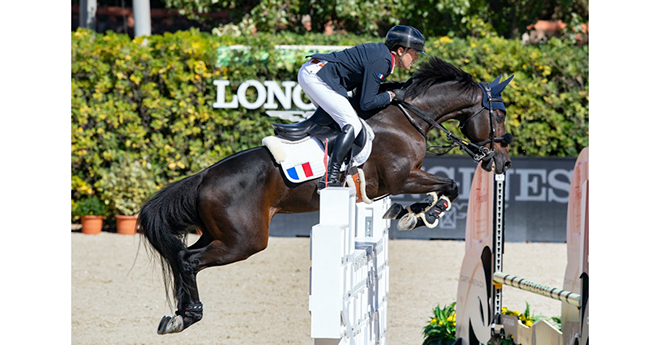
399,95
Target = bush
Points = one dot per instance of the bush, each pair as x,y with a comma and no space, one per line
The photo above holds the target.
89,205
126,185
150,100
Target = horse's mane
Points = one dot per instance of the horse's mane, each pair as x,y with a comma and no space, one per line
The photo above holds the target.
434,71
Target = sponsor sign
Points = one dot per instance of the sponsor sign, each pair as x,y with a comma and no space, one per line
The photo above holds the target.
269,95
282,99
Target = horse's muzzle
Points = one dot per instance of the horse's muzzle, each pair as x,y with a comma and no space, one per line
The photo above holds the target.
487,163
490,163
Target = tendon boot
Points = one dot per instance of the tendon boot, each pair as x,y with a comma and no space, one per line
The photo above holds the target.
341,149
438,210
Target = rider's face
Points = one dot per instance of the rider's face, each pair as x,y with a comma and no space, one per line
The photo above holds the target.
408,58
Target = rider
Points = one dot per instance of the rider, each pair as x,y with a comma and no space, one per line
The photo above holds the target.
326,78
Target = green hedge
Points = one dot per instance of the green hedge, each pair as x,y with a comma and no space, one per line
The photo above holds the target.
148,103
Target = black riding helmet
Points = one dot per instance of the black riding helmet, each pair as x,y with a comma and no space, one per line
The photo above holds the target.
405,36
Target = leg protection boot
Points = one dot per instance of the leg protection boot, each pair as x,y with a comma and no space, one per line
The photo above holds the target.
342,147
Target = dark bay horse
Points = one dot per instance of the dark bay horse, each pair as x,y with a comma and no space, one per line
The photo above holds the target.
233,201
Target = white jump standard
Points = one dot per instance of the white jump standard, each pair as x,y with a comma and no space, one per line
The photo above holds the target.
349,274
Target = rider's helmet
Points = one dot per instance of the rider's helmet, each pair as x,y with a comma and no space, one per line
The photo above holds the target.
405,36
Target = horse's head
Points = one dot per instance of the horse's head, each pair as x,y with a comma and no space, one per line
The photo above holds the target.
484,126
448,93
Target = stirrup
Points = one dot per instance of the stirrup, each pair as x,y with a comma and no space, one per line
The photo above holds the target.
321,185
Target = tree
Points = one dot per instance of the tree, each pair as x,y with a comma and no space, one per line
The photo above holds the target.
454,18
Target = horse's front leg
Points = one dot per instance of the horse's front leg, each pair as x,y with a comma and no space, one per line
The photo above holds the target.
440,192
426,212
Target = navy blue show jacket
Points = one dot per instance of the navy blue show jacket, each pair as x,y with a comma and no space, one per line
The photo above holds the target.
364,65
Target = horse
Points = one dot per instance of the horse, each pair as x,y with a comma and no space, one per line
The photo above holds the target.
233,201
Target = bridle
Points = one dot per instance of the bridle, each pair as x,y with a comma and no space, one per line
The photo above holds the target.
478,151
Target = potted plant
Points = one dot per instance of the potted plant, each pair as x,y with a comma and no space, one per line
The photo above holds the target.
126,185
91,210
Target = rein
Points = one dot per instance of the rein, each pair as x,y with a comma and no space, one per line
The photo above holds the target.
478,151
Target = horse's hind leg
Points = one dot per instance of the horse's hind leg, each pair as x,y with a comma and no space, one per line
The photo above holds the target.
197,258
189,308
234,208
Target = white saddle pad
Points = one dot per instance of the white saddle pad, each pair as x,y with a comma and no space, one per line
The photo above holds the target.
303,160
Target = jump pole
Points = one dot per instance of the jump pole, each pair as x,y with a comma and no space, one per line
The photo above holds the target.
540,289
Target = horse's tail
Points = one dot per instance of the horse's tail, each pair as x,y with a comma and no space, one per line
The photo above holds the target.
165,221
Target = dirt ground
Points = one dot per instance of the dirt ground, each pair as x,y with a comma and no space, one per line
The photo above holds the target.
118,297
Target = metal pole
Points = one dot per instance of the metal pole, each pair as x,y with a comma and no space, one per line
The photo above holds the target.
498,237
142,15
87,14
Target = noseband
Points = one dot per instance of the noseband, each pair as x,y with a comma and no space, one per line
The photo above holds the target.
478,151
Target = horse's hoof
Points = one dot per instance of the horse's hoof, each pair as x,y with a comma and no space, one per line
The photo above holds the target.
393,211
407,222
170,324
162,324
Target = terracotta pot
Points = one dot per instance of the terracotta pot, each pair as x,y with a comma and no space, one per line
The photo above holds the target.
126,225
91,225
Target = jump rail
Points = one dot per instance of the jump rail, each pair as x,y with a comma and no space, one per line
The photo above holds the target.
479,317
540,289
349,273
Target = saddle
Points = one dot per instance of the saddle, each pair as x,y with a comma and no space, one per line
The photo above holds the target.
320,126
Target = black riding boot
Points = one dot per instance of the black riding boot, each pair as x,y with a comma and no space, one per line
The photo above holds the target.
341,148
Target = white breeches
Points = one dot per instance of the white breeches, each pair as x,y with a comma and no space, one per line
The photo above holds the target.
336,105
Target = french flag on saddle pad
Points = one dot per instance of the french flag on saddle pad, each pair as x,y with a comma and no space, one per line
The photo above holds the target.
300,172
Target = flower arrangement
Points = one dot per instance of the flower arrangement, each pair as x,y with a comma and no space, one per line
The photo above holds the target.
527,319
441,329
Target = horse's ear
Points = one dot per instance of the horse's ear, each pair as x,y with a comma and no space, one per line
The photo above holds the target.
497,89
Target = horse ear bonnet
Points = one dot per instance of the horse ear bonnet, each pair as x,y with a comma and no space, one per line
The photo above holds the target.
496,89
